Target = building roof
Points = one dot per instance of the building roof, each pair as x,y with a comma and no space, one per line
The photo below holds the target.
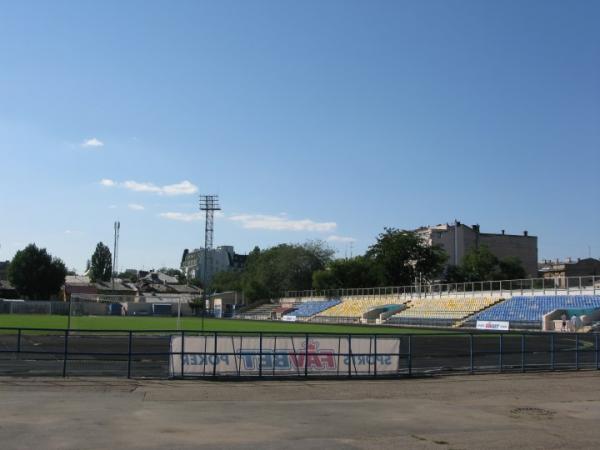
78,284
159,277
5,284
557,265
185,289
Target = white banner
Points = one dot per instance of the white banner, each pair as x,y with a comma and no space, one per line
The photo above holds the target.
289,318
285,355
492,325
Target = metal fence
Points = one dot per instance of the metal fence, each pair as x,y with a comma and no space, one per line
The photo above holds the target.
528,286
187,354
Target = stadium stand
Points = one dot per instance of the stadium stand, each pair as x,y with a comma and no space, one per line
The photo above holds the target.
527,312
311,308
442,311
261,312
355,307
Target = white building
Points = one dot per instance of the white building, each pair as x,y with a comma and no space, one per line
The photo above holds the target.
221,259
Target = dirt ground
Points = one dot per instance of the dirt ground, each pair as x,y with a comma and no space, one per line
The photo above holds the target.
516,411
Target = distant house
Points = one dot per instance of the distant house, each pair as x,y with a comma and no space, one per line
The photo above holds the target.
161,283
81,286
569,268
152,287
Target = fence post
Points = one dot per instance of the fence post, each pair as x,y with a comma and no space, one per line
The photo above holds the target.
576,352
375,366
522,353
596,349
471,352
409,355
130,339
215,355
350,357
306,356
64,371
552,351
501,350
183,351
532,289
19,341
260,353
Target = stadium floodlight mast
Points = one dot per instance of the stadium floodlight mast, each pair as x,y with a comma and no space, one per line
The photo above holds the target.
209,204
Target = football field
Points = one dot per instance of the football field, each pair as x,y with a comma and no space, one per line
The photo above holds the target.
190,324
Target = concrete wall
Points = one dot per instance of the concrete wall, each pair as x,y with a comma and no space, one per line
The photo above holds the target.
523,247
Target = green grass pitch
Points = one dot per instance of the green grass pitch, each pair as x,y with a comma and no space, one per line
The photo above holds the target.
189,324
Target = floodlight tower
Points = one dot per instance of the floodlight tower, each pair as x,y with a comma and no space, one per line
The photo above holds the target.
209,204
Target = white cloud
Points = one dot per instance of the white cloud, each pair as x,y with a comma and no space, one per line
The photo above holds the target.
182,217
279,223
93,142
341,239
112,206
183,188
107,182
136,207
141,187
188,217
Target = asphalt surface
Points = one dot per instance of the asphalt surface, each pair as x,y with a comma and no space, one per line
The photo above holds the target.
107,354
515,411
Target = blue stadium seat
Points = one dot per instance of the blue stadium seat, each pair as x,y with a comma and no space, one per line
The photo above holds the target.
310,308
532,309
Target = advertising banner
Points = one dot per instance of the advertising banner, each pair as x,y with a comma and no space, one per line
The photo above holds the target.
285,355
492,325
289,318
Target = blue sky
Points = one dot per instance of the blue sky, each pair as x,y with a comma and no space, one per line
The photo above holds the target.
311,120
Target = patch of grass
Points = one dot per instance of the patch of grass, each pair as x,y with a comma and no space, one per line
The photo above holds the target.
190,324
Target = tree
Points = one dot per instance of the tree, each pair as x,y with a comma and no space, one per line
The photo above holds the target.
454,274
230,280
269,273
346,273
511,268
400,256
480,264
36,274
101,267
129,276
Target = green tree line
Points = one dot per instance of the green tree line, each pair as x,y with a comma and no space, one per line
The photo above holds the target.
396,258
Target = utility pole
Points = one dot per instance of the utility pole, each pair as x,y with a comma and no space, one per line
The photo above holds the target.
115,253
209,204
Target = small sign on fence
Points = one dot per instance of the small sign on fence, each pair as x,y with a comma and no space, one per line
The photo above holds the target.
289,318
492,325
